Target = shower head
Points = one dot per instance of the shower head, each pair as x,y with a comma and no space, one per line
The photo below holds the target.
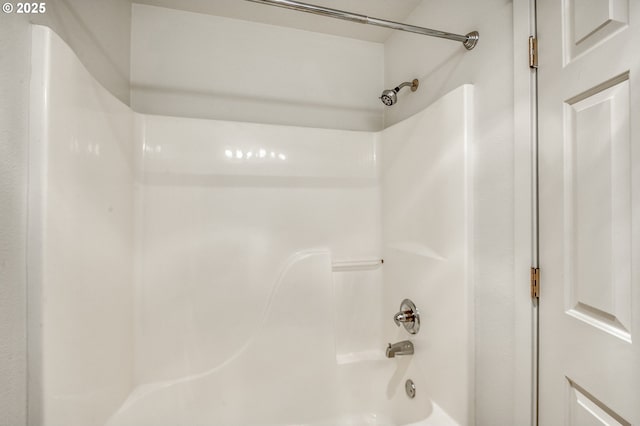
390,97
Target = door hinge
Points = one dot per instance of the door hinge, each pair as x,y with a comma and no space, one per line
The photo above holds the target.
535,283
533,52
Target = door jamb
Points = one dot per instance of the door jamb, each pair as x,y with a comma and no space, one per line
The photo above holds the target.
525,216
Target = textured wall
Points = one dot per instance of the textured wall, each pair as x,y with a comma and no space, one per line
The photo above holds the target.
442,65
14,112
195,65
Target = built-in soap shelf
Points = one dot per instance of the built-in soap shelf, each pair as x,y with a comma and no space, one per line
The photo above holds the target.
355,264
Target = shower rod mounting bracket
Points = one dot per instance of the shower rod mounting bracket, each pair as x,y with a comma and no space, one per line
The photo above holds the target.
472,40
469,40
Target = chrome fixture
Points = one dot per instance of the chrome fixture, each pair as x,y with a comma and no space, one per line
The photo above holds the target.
469,40
401,348
408,316
389,97
410,388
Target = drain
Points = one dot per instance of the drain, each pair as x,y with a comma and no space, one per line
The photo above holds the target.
410,387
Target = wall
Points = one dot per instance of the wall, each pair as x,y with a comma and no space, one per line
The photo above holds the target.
195,65
104,44
427,240
442,65
14,113
80,250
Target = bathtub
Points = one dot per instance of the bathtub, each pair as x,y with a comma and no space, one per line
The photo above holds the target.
359,398
288,372
366,393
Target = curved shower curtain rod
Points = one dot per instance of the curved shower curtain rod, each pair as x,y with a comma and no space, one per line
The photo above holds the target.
469,40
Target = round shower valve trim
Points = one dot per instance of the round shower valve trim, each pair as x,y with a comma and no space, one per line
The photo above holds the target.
408,316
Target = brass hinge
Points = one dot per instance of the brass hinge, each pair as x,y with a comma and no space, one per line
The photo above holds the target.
535,283
533,52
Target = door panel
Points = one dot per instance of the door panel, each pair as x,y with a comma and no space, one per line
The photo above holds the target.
589,212
597,194
586,410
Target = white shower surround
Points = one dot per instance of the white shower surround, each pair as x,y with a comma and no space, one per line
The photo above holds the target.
217,302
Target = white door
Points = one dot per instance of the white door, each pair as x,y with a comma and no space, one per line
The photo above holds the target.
589,212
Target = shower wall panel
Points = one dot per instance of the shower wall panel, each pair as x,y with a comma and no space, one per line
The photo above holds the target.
224,207
427,224
80,242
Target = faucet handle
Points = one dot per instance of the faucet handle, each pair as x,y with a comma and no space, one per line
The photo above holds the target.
401,317
408,317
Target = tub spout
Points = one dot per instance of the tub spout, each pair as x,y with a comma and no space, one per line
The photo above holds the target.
401,348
